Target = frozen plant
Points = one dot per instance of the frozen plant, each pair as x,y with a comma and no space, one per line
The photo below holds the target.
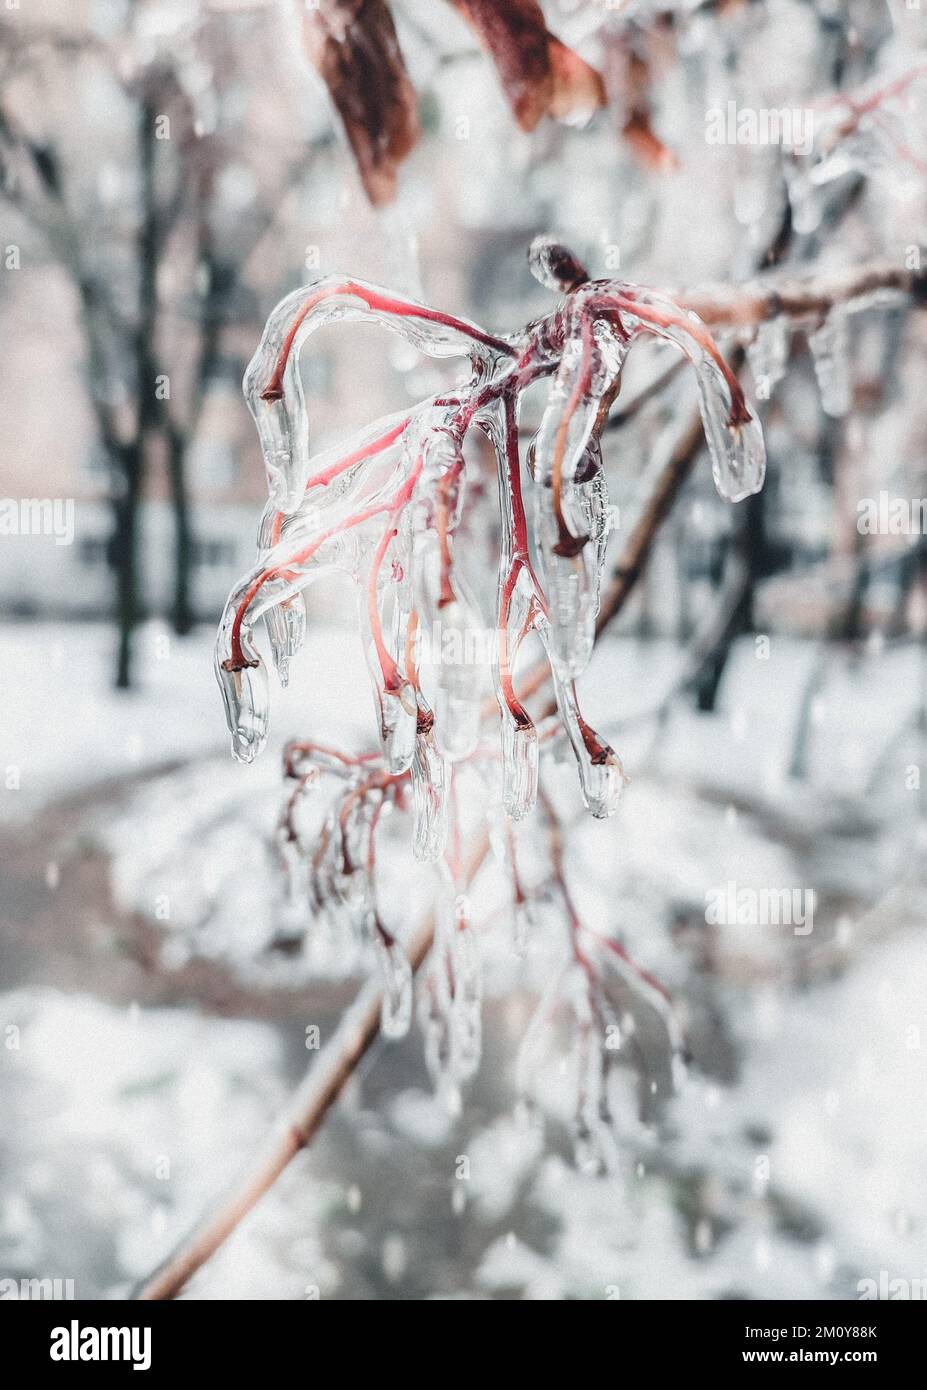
386,509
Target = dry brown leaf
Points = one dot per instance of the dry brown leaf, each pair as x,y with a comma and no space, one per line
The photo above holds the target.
353,46
540,75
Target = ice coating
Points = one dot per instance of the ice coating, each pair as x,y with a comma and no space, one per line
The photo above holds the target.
601,776
732,433
400,508
286,631
573,581
429,790
768,354
830,352
451,1011
386,506
247,706
272,384
396,973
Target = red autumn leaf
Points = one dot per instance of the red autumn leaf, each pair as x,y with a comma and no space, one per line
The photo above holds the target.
354,48
540,75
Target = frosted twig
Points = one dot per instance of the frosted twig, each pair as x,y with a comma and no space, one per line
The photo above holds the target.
297,1125
808,297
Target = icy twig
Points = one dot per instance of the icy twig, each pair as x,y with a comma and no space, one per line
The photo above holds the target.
298,1124
810,297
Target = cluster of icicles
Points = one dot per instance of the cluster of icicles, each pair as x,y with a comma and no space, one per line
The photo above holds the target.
385,509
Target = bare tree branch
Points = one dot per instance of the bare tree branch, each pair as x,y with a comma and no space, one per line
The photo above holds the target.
320,1089
808,297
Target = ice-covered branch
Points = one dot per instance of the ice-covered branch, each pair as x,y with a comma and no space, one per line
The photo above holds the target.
387,511
807,298
296,1127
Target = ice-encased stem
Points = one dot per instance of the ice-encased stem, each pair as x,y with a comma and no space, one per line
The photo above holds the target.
272,384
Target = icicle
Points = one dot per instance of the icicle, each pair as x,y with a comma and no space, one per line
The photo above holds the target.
830,351
453,638
397,713
519,736
246,698
738,455
593,1142
396,973
390,606
349,857
294,868
572,582
591,359
286,629
520,605
429,791
466,1014
436,1012
734,438
451,1013
434,1020
519,767
768,354
601,776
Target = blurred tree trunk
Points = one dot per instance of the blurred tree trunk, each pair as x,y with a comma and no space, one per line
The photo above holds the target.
182,616
124,553
125,546
752,557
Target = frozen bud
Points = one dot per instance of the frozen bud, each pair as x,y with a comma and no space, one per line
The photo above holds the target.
555,266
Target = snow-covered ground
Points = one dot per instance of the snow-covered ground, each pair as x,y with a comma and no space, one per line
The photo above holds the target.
791,1162
65,727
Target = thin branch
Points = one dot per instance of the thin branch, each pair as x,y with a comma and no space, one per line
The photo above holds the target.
297,1126
633,559
360,1026
800,298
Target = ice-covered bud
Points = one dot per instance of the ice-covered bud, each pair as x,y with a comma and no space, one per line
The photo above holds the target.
555,265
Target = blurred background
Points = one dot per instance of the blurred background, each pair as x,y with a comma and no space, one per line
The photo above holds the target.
170,169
